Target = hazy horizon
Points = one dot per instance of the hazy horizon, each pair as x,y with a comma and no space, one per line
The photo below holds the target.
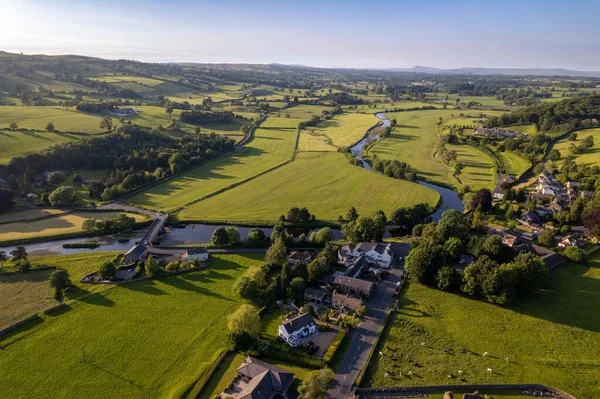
348,34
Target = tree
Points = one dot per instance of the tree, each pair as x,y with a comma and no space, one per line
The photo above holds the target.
554,155
3,258
453,248
547,239
352,214
315,385
19,253
50,127
107,270
233,236
484,198
6,199
322,237
315,270
447,278
277,253
492,246
575,254
363,229
277,233
63,196
106,123
256,236
169,111
592,222
220,237
13,183
13,126
23,266
59,280
453,224
475,275
245,320
424,261
151,267
458,168
295,290
55,178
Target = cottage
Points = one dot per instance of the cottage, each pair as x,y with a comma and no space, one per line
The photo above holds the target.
123,112
296,329
320,296
300,257
571,240
379,253
530,218
135,254
356,266
199,254
345,303
510,240
262,380
354,286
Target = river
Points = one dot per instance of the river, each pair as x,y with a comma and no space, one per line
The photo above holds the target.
450,199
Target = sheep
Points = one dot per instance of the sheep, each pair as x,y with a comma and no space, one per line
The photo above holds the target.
485,354
489,370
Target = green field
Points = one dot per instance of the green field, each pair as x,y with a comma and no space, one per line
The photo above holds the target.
17,143
549,338
325,183
590,158
128,353
414,141
268,148
55,225
529,129
345,129
65,120
514,163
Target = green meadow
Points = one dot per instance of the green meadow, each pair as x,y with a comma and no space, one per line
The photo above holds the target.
268,148
148,339
591,157
325,183
514,163
17,143
65,120
345,129
550,337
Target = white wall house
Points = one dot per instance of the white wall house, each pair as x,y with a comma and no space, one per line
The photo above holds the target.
379,253
295,330
199,254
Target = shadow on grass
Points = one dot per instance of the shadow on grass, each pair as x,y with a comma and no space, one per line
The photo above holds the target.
96,299
5,340
184,284
113,374
145,286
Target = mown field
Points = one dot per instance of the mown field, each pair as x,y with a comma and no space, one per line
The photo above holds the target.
550,338
345,129
529,129
590,158
128,353
269,147
29,214
514,163
55,225
16,143
65,120
325,183
414,141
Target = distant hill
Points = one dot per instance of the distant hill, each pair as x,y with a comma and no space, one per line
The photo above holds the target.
501,71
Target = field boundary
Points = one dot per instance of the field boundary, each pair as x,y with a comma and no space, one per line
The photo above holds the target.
394,392
18,324
198,386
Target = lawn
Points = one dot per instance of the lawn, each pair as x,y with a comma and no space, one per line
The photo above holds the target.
346,129
323,182
65,120
514,163
414,140
56,225
17,143
549,338
590,158
148,339
268,148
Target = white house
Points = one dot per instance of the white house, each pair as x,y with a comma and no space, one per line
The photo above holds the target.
199,254
379,253
296,329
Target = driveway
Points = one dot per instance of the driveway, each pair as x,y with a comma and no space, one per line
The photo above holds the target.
363,337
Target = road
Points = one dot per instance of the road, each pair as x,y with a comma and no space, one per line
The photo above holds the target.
363,337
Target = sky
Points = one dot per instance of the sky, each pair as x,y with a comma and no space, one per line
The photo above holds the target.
326,33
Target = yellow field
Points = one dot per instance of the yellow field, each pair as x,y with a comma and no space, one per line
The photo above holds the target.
316,141
345,129
29,214
61,224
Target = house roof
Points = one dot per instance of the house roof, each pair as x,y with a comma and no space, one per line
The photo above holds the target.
301,255
298,323
372,246
265,379
345,300
197,251
319,293
356,266
354,283
554,259
530,216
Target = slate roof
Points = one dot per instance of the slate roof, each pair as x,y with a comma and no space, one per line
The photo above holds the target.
318,293
302,256
372,246
345,300
353,283
265,379
298,323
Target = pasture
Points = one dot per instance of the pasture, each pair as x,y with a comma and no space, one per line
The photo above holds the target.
55,225
17,143
134,357
414,141
591,157
269,147
65,120
325,183
29,214
529,129
550,337
346,129
514,163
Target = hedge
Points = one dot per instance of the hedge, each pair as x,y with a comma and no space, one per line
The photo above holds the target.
335,345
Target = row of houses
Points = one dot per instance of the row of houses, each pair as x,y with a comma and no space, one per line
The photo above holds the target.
496,133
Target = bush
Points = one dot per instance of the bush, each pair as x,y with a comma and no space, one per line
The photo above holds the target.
107,270
575,254
337,342
63,196
23,266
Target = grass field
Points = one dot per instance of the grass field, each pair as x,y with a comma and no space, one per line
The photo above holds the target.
414,140
514,163
22,295
38,117
268,148
60,224
17,143
128,353
325,183
29,214
529,129
592,157
550,338
345,129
